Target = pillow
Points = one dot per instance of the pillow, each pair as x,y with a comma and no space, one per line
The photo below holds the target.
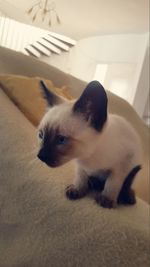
25,92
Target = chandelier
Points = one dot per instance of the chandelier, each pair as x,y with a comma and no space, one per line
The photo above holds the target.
46,10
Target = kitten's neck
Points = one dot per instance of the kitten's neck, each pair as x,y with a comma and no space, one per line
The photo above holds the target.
94,146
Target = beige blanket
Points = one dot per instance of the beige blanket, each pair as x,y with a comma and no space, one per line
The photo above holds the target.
39,227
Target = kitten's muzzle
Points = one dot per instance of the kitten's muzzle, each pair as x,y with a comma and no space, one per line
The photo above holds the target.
44,157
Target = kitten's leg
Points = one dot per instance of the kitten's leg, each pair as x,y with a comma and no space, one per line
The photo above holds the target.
94,183
118,188
80,186
97,183
108,197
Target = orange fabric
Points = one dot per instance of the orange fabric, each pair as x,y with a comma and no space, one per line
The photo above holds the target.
25,92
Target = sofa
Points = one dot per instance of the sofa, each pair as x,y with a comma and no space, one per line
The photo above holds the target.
39,227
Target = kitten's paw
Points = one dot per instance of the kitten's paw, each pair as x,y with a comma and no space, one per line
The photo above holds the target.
105,202
72,193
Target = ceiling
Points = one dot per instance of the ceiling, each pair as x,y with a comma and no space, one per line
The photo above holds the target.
83,18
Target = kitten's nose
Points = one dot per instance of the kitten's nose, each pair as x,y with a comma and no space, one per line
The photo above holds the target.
42,156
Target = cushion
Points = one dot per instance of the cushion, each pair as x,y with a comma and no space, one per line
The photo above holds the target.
40,227
26,94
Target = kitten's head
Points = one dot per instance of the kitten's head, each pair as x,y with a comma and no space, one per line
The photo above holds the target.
69,128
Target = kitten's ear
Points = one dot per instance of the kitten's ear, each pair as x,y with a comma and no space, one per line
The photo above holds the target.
92,104
51,98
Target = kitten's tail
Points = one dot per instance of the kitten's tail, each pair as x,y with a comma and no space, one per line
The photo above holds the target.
127,195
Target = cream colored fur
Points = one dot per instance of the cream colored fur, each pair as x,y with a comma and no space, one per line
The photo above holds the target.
116,148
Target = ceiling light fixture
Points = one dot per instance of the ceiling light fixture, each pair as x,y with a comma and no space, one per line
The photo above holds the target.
46,9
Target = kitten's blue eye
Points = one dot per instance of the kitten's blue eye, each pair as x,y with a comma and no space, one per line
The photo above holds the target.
61,140
41,134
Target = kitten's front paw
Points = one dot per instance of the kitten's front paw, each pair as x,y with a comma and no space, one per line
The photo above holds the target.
105,202
72,193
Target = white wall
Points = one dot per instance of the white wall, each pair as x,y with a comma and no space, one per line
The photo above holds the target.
122,57
142,85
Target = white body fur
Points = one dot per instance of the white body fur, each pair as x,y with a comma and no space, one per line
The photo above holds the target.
117,148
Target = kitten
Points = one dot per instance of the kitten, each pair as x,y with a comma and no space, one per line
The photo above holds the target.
106,148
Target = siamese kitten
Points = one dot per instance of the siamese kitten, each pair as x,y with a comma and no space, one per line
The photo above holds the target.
105,147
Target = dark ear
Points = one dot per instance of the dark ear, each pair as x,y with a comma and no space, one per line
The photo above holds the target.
51,98
93,105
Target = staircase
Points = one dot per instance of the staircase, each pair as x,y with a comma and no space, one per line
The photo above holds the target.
30,40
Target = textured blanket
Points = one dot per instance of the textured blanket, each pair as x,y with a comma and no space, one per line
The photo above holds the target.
39,227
